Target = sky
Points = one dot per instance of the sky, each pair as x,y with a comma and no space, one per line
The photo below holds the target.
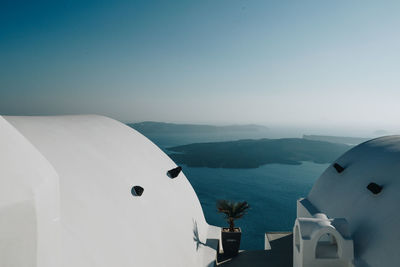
332,64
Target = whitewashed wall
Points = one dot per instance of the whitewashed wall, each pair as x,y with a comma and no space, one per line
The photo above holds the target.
29,206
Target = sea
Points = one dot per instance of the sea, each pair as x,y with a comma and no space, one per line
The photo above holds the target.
271,190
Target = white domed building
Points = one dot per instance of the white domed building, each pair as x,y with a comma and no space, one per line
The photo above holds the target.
66,200
351,216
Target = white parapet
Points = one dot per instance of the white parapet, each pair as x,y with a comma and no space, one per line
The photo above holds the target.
322,242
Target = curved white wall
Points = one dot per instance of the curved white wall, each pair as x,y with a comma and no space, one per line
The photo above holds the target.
374,220
96,161
29,211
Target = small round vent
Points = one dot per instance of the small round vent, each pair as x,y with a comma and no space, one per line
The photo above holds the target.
137,191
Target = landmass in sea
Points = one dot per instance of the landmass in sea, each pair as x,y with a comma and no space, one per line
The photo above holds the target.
211,149
255,153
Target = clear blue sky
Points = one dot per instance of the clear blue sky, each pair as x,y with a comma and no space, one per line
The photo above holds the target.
270,62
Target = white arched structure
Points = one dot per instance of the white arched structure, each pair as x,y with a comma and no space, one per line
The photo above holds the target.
319,241
65,198
370,211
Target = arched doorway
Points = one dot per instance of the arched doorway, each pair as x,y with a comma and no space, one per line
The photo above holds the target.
327,247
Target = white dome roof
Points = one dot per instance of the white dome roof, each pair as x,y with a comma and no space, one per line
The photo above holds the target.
65,198
374,219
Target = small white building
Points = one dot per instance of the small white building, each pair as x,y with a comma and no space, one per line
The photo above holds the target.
319,241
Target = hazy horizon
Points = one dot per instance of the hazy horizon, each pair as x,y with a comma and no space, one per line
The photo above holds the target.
330,67
279,130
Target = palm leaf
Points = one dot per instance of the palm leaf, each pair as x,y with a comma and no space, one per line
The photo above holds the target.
232,210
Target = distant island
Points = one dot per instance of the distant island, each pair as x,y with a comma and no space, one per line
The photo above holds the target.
337,139
150,127
255,153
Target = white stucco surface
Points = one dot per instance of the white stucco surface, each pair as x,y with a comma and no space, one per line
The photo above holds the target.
373,220
29,207
66,185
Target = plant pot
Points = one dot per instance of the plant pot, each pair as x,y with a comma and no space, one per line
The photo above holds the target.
231,241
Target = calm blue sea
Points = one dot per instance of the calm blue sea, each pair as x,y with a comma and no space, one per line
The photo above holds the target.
271,190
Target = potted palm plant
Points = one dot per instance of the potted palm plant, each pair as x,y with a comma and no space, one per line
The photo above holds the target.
231,235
